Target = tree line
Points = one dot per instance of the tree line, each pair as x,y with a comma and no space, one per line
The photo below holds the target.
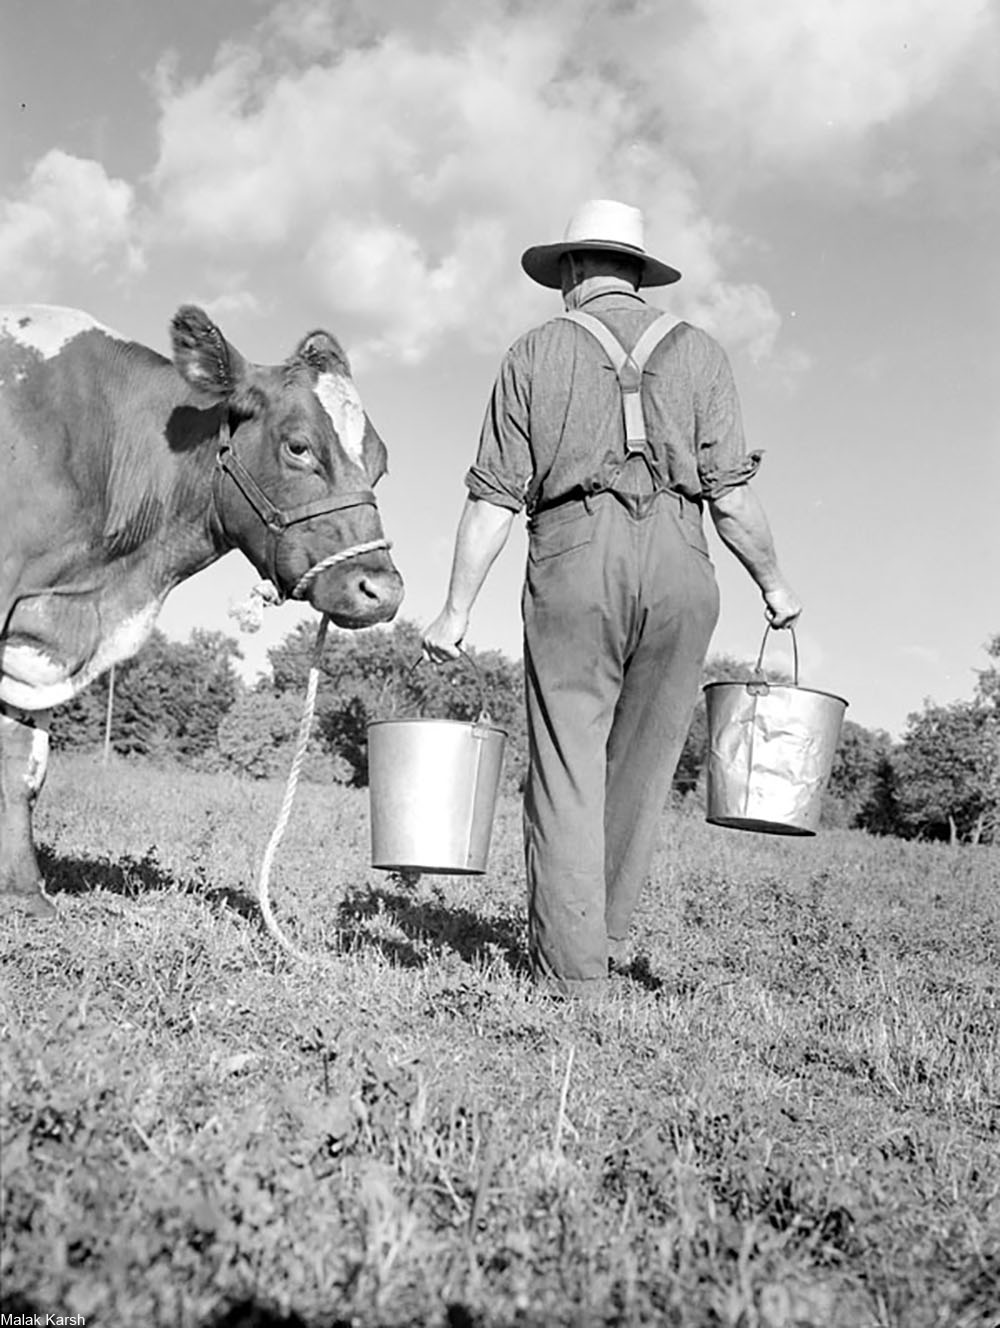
185,702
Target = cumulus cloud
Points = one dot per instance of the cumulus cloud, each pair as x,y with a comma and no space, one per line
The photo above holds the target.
397,158
69,211
382,274
409,172
790,83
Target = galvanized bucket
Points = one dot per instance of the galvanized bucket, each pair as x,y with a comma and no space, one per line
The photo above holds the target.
432,788
770,751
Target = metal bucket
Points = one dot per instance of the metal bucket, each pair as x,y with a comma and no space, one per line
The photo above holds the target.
770,751
432,788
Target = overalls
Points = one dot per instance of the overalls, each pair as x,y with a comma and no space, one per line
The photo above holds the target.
619,605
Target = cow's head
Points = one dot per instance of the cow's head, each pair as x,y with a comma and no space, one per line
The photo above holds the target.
298,460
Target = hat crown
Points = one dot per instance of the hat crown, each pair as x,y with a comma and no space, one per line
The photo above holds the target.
600,223
605,219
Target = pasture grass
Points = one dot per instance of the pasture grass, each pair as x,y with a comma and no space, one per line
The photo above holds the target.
786,1113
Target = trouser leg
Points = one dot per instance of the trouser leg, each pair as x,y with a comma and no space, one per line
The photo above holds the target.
616,632
573,663
659,693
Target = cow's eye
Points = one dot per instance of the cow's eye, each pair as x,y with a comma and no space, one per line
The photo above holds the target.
297,448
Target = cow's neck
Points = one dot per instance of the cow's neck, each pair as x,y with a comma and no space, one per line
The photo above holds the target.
190,536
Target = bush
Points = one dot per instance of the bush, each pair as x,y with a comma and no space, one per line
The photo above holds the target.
257,739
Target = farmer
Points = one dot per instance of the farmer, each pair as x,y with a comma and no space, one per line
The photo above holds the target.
620,598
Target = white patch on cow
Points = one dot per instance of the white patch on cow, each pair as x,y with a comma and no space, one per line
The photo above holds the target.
31,680
47,328
38,753
38,761
339,398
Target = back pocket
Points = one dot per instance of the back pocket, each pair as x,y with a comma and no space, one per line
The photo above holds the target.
560,537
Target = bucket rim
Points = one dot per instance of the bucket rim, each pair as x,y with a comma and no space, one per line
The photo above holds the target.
777,687
434,719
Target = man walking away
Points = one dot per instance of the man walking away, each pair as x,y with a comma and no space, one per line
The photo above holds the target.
614,425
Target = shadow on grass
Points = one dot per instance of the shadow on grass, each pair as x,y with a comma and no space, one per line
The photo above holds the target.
639,972
252,1314
472,936
14,1303
133,877
426,922
441,926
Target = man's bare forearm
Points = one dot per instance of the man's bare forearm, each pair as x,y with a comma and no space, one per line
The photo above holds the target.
482,533
743,527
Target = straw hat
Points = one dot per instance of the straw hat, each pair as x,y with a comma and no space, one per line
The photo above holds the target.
603,225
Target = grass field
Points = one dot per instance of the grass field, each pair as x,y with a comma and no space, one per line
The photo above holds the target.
787,1113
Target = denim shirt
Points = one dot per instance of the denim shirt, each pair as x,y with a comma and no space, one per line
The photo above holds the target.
553,427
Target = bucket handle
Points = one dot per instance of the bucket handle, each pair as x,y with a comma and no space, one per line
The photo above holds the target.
484,716
758,684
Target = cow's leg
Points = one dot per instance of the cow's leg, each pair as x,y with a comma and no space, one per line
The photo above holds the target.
24,753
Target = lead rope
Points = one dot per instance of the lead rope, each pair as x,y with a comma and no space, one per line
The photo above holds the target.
305,727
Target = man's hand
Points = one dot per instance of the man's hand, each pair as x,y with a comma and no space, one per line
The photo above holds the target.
442,639
482,532
781,606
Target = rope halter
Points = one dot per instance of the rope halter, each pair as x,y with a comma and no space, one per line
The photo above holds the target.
355,551
277,521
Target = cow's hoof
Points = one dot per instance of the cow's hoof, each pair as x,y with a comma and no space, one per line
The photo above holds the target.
28,903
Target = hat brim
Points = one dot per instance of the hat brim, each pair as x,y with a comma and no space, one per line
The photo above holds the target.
541,262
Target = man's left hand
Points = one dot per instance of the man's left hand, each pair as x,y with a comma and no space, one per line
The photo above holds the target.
781,606
441,641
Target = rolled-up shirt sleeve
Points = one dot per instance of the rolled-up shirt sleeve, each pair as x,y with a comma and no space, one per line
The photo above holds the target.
722,458
503,468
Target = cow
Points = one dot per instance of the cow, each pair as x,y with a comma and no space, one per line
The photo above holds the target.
123,473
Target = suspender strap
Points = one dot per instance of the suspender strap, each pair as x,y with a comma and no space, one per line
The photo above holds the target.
629,367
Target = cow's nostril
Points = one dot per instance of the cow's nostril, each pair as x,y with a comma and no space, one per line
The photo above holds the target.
369,590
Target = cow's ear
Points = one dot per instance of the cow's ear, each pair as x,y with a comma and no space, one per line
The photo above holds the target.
203,356
323,353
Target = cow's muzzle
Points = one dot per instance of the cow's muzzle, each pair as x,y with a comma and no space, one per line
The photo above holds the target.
365,591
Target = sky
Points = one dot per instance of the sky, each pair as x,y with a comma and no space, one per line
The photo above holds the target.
824,173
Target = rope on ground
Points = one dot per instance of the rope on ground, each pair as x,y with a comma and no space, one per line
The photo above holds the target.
305,727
